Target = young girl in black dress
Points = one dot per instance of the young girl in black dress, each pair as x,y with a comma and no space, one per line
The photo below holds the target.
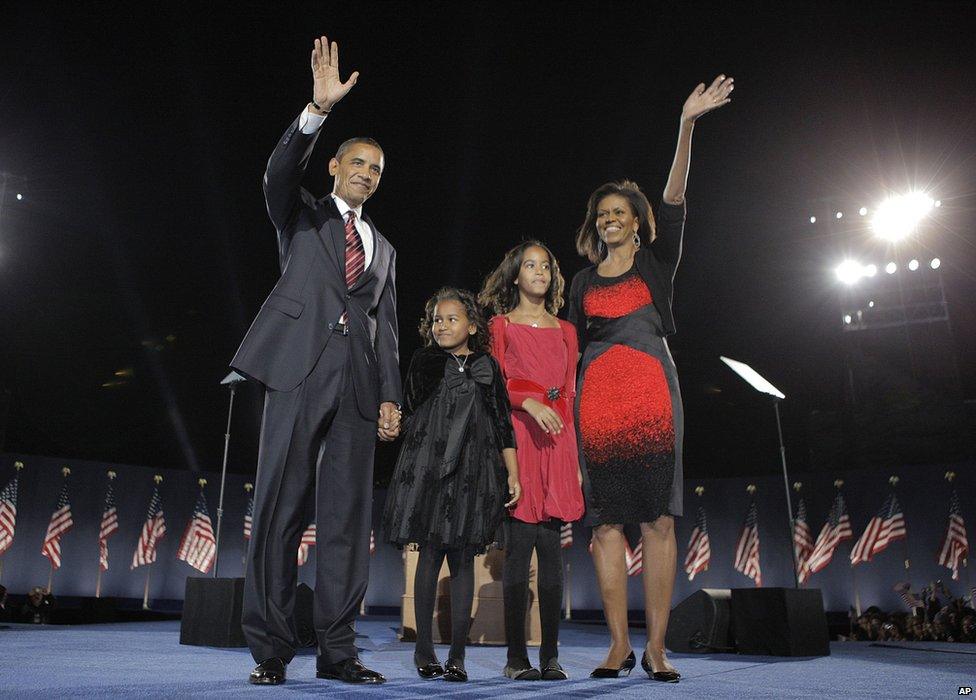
457,470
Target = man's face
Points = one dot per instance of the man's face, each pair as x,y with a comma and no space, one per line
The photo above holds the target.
358,174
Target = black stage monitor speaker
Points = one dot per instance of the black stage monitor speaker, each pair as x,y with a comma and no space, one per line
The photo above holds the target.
212,612
700,623
780,622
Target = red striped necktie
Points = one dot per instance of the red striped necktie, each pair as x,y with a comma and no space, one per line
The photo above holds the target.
355,254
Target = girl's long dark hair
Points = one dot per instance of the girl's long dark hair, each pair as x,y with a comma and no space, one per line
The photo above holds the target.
477,342
499,293
588,243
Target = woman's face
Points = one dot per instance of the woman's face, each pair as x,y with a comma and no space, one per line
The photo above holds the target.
615,221
535,274
451,326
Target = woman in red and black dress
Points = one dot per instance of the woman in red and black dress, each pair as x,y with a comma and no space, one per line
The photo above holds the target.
537,355
628,404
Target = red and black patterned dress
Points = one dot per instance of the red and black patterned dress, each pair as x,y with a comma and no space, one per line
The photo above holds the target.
628,402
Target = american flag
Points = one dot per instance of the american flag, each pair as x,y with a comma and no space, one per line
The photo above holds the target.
885,527
372,542
747,548
955,544
249,517
566,535
635,558
699,550
308,540
60,523
198,546
802,542
836,530
110,524
911,600
152,532
8,514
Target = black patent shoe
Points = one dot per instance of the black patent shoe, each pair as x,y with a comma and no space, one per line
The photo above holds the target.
268,672
663,676
521,671
625,668
552,671
350,670
454,671
428,670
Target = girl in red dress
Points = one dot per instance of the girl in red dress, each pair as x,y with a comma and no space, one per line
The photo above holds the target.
537,354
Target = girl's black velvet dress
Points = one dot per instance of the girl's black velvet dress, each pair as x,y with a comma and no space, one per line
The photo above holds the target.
450,486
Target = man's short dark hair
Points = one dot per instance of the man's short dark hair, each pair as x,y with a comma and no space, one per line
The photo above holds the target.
349,143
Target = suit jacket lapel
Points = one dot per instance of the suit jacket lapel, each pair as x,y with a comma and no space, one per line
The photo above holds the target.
333,233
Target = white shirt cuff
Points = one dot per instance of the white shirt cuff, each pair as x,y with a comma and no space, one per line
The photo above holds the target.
309,123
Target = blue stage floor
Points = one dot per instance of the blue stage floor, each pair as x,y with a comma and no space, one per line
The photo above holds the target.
147,660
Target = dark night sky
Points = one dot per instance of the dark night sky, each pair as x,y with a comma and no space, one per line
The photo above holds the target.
143,136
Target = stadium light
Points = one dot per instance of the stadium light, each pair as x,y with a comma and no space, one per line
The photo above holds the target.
935,263
897,216
20,197
891,268
913,265
839,215
849,271
813,219
863,211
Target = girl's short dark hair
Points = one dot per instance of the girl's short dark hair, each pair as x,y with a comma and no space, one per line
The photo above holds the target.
588,243
478,341
499,293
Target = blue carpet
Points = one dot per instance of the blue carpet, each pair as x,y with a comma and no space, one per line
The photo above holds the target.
146,660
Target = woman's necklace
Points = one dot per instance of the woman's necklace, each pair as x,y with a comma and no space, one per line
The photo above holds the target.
533,321
461,362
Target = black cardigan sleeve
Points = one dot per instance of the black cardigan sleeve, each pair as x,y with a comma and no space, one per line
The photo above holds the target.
574,313
666,245
500,407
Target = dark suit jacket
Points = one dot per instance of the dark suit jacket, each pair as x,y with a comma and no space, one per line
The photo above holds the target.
295,323
656,263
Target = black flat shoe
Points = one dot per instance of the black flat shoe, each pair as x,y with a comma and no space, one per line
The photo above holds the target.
268,672
350,670
625,668
521,672
430,671
454,671
663,676
552,671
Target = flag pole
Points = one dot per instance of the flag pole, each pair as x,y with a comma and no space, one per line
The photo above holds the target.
857,595
893,480
145,594
50,579
569,590
98,579
17,467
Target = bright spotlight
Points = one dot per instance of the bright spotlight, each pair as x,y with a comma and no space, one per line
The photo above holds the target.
849,271
870,270
891,268
839,215
870,304
913,265
863,211
935,263
898,216
20,197
847,318
813,219
938,202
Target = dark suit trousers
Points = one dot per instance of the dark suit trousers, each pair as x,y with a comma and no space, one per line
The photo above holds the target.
313,440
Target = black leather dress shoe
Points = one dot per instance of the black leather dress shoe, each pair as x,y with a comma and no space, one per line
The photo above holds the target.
625,668
349,671
430,671
454,671
663,676
521,671
553,671
268,672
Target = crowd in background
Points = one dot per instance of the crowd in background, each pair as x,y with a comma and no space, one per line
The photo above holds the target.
936,616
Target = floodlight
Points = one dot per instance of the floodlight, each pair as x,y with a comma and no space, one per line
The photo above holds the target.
913,265
863,211
813,219
839,215
891,268
935,263
849,271
897,217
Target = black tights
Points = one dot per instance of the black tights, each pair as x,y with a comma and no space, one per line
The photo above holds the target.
461,564
522,539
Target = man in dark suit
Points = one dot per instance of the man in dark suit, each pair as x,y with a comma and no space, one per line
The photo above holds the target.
324,344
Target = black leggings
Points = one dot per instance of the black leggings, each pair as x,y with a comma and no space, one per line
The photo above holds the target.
461,564
522,539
